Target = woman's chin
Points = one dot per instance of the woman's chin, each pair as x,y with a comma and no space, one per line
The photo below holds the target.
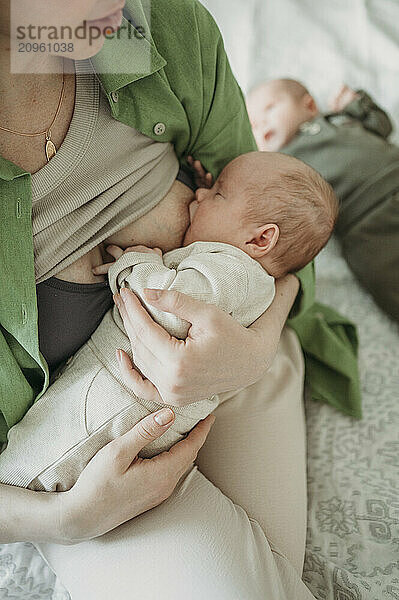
83,51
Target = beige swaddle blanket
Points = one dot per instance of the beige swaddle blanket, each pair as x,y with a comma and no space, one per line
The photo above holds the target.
89,405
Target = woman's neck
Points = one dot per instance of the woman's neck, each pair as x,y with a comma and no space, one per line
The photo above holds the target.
14,63
25,77
25,82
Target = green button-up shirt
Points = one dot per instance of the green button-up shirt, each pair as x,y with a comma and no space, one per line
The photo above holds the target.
174,84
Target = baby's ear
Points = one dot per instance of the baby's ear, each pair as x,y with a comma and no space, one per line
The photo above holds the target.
310,104
264,240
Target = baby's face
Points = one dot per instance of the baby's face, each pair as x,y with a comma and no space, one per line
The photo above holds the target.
275,114
216,213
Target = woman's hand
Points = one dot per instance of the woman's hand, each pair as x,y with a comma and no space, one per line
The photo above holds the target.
116,485
218,354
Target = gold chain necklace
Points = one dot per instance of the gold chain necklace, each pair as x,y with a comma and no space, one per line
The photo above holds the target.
50,148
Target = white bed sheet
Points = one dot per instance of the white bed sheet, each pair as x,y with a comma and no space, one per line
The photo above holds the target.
321,42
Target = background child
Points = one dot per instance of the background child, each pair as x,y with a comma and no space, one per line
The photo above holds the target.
266,215
348,147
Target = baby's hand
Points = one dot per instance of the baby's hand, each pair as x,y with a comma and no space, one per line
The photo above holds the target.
117,252
201,177
344,96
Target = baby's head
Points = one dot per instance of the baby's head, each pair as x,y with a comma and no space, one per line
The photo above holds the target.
274,207
276,109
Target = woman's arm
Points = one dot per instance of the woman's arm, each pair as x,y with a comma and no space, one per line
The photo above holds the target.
114,487
218,354
27,516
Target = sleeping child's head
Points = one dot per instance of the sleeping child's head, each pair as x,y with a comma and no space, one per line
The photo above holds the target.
274,207
276,109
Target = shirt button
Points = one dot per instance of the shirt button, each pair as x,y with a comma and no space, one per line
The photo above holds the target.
114,96
159,128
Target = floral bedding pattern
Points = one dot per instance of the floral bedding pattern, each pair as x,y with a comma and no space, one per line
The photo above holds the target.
24,575
352,550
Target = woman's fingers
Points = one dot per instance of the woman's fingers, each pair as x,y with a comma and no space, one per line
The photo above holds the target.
125,448
143,388
139,324
181,305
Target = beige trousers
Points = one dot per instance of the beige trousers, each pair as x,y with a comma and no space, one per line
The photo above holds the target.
234,527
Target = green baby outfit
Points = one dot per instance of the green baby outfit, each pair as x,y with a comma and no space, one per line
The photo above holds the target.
350,150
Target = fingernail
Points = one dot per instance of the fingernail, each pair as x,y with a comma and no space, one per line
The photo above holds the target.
152,294
117,300
164,416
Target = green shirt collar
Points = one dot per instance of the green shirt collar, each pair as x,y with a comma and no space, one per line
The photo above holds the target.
9,171
118,63
135,56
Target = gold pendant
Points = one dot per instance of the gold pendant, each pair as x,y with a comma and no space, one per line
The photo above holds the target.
51,150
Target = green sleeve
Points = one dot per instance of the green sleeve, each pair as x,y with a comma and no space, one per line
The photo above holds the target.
373,118
225,130
306,295
330,346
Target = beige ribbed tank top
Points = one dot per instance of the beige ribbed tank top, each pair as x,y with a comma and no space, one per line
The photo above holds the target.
104,176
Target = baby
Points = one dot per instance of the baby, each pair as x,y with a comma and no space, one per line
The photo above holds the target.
266,215
348,147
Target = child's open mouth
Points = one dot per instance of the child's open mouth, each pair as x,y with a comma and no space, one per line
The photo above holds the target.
268,135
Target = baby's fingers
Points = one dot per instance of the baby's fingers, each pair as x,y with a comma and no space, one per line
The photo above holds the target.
114,251
101,269
209,180
199,168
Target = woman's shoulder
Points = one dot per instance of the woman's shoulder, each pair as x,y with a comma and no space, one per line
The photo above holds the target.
184,21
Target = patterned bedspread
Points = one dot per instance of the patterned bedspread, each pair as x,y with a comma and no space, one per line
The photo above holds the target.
353,466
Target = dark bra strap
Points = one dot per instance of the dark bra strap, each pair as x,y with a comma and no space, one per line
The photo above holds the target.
185,176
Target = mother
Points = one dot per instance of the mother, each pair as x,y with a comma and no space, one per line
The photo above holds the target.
234,525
